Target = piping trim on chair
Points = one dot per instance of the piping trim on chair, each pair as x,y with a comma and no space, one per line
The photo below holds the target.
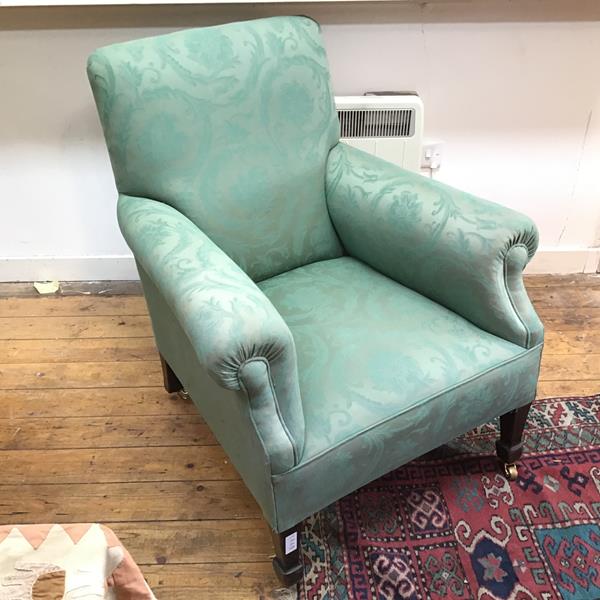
270,405
508,290
412,407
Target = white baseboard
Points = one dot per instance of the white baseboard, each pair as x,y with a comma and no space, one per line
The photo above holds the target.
564,261
117,268
71,268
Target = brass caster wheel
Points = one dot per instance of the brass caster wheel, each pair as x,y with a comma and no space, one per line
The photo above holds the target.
511,471
183,395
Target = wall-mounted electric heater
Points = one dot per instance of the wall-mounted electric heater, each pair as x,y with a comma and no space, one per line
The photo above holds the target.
389,126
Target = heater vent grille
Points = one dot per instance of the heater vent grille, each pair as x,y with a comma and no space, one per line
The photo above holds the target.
377,122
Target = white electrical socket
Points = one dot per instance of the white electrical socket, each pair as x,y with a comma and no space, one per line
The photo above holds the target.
431,154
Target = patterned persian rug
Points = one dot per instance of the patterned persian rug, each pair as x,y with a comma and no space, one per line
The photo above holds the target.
449,525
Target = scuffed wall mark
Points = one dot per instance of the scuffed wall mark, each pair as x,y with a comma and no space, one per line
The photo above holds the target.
564,227
423,7
577,169
583,144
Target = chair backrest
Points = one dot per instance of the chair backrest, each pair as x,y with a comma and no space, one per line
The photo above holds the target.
230,125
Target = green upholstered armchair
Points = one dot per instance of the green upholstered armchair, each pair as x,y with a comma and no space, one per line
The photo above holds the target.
331,315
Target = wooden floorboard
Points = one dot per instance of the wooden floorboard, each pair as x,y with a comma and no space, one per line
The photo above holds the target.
139,373
103,289
576,367
224,581
87,433
78,350
570,319
549,389
104,432
130,501
93,402
565,297
58,328
584,341
189,542
73,306
106,465
574,280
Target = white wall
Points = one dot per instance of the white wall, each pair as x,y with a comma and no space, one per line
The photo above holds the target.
517,103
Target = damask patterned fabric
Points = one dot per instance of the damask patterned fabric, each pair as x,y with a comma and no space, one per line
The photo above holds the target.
225,316
370,349
235,120
463,252
332,315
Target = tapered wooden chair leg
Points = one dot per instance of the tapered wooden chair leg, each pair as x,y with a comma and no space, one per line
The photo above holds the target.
509,447
286,562
170,380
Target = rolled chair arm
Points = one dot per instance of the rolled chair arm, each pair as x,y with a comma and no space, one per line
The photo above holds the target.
238,335
465,253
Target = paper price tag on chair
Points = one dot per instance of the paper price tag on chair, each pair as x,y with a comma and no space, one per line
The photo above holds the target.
291,542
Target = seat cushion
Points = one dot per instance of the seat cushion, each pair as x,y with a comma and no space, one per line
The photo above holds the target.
370,349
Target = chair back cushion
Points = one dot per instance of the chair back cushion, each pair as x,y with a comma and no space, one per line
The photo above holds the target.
230,125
